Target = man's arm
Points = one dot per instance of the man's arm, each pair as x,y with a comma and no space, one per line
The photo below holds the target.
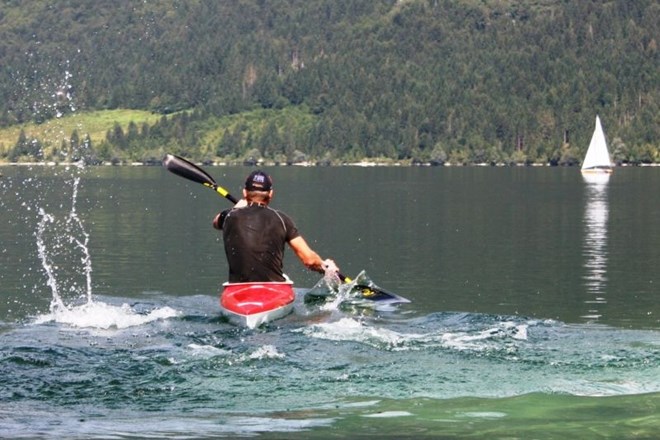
306,254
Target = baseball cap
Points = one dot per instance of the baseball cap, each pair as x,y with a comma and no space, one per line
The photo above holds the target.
258,181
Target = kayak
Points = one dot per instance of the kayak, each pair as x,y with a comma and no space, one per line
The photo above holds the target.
253,304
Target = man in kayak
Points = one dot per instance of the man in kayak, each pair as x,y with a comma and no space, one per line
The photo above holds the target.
254,236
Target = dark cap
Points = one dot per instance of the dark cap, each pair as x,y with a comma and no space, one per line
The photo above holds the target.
258,181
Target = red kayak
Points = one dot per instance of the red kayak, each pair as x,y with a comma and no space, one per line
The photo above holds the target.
252,304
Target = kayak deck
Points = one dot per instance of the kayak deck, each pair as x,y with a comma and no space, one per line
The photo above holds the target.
253,304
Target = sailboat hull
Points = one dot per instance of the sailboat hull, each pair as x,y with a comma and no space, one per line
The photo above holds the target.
597,171
597,179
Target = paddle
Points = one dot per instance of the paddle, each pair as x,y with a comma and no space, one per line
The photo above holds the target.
375,293
188,170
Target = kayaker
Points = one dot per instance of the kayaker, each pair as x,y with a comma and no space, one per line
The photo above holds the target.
254,236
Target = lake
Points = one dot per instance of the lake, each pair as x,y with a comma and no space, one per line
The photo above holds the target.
534,308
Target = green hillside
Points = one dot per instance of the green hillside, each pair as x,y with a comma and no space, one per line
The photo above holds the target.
417,80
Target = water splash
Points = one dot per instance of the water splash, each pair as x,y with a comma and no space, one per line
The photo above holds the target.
330,292
99,315
53,239
45,95
73,221
499,336
63,250
63,242
46,262
360,293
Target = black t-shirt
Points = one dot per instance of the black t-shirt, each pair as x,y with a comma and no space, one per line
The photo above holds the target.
254,239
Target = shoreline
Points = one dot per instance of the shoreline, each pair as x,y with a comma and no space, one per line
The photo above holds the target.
363,164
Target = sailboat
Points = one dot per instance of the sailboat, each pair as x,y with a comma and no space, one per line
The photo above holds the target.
597,159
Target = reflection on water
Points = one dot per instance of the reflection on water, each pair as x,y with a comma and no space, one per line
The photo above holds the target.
595,243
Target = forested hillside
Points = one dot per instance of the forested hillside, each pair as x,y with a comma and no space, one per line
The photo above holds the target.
463,81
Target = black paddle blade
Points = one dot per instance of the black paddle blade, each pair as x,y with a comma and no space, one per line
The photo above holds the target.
370,291
188,170
375,293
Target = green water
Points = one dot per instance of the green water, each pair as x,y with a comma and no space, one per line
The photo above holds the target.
534,310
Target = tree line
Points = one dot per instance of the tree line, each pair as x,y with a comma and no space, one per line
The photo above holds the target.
463,81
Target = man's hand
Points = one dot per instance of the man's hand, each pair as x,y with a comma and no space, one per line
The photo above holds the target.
329,266
331,274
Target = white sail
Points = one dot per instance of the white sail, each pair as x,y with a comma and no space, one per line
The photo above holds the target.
597,158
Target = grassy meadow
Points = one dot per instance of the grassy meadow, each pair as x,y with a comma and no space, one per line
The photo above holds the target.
54,131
